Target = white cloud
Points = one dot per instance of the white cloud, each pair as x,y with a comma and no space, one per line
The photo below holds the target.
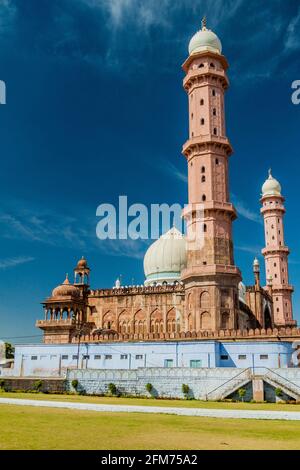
292,38
12,262
245,212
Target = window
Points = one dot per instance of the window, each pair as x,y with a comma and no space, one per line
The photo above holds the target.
124,356
34,358
168,363
139,356
214,112
86,356
204,263
203,198
203,169
201,65
74,357
201,102
242,357
224,357
264,356
217,161
202,121
214,92
192,116
204,228
64,357
97,357
108,356
212,65
195,363
203,179
215,131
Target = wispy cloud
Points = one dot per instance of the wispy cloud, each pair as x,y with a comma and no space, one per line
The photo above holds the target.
172,170
12,262
255,250
245,211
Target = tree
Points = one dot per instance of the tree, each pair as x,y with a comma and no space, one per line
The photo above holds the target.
242,393
9,351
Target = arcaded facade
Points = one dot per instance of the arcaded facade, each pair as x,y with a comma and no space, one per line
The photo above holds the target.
193,287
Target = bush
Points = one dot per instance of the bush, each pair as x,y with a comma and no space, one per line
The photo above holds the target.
278,392
242,393
37,385
149,387
112,389
2,383
185,390
75,384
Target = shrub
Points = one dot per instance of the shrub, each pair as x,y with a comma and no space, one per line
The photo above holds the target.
37,385
75,384
242,393
185,390
112,388
2,383
278,392
149,387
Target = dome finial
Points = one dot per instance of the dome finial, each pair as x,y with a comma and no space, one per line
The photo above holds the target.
203,23
270,172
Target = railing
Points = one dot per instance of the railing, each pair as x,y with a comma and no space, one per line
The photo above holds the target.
244,371
283,380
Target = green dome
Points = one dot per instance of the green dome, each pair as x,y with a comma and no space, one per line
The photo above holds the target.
205,40
165,258
271,187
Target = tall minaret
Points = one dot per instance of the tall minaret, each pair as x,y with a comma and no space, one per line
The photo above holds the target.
276,252
211,278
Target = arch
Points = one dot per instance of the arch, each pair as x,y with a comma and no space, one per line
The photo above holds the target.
109,320
267,317
204,300
124,322
171,321
139,321
156,322
205,321
225,320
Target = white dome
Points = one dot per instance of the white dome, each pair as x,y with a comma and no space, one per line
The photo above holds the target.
271,187
242,292
165,258
205,40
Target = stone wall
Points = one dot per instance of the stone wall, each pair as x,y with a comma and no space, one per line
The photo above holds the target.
22,384
203,383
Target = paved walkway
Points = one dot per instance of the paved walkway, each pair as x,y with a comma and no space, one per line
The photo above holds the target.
210,413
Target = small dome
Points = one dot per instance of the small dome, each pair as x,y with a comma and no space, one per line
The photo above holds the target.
82,263
165,258
242,292
271,187
65,290
205,40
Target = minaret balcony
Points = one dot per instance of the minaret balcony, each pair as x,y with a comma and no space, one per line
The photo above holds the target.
206,143
273,249
56,323
205,76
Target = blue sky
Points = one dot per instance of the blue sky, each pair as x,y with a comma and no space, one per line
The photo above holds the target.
95,109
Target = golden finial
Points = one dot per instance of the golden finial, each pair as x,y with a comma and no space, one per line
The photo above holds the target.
203,23
270,173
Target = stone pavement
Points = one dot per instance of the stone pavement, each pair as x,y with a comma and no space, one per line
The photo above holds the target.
210,413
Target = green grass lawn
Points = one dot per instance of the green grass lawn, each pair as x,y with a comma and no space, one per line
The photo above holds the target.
46,428
154,402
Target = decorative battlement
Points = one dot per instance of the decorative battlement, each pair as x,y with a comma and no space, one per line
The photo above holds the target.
134,290
286,333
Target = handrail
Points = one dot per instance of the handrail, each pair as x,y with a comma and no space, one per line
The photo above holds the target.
227,381
284,378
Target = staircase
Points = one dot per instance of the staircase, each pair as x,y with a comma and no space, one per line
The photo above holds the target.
277,381
229,387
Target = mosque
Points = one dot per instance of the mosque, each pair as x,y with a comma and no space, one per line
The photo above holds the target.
193,297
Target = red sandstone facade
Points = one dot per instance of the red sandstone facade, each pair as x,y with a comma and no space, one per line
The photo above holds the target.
209,300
